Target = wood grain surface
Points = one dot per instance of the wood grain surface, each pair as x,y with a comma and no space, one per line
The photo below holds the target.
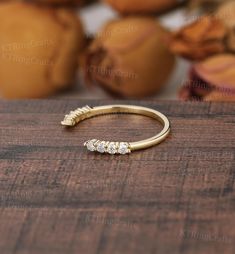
57,198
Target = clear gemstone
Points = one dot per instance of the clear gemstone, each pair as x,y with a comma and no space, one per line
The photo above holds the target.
123,148
90,145
101,147
112,148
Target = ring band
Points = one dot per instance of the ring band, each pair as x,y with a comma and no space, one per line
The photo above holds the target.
113,147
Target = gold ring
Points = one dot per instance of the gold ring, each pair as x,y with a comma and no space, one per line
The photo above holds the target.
113,147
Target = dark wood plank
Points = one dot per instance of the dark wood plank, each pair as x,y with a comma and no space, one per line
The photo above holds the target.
177,197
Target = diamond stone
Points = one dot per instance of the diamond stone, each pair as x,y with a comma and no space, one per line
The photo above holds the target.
101,147
123,148
90,145
112,149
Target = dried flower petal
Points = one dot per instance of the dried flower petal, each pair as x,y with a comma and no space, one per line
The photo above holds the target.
218,96
129,57
200,39
39,49
226,13
140,6
212,79
218,70
205,5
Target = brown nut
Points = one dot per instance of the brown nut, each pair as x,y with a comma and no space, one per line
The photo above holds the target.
38,54
129,57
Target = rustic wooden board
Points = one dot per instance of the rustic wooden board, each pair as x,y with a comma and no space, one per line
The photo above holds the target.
56,198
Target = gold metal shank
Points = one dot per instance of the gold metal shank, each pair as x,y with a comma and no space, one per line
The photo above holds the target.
74,117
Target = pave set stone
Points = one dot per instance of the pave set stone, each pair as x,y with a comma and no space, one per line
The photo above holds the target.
95,145
76,116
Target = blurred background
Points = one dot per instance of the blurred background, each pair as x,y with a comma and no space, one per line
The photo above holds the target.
163,49
95,16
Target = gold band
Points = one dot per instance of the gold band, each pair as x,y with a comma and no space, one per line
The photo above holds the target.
111,147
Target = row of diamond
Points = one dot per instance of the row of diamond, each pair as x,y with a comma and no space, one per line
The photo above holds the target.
95,145
73,117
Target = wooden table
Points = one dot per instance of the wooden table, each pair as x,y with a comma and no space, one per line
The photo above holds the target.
56,198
